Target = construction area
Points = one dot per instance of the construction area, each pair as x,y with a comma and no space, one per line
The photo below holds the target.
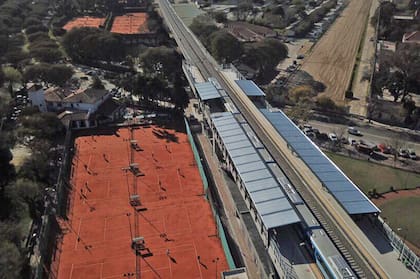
137,209
333,57
85,21
132,23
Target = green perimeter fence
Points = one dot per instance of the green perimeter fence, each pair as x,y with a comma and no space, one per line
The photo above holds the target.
220,229
50,232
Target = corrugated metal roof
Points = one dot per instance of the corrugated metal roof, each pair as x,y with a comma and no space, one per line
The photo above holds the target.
337,183
207,91
267,196
249,87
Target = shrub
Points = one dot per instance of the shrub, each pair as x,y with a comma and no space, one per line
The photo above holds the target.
349,94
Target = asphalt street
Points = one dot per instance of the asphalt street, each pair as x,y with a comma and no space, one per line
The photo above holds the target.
371,134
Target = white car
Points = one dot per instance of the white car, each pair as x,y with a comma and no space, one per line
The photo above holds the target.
403,153
412,154
354,131
332,137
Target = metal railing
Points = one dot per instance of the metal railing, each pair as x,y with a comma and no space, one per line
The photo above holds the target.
408,257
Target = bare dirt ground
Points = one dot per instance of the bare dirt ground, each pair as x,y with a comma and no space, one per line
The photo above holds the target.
20,154
332,59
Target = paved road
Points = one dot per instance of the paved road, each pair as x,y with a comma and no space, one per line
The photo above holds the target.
371,134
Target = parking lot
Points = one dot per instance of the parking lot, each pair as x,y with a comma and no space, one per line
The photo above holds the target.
365,144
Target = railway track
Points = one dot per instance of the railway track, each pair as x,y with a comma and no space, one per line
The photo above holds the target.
338,228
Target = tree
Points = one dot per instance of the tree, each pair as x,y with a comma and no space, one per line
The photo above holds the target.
46,54
7,169
12,75
43,126
97,83
16,56
301,94
264,56
161,61
10,260
220,17
224,47
1,77
325,104
406,60
88,43
25,191
57,74
179,96
203,29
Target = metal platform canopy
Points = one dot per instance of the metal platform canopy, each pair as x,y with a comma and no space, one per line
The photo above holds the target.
250,88
269,200
338,184
207,91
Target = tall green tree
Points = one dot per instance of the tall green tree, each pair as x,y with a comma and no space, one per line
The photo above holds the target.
88,43
406,61
224,47
10,260
161,61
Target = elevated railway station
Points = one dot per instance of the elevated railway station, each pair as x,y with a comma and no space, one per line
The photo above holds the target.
326,202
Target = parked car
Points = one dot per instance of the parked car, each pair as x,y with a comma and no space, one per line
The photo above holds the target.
412,154
306,131
352,141
354,131
403,153
332,137
386,149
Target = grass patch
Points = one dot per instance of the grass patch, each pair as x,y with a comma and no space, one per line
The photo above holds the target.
368,175
399,214
358,56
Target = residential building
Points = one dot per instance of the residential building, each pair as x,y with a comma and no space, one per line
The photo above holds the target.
77,109
411,37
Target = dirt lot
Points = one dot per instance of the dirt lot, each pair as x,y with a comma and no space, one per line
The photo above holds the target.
332,59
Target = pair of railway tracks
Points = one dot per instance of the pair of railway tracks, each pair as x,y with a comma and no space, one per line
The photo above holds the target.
360,260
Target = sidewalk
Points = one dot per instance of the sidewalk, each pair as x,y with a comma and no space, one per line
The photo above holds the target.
360,87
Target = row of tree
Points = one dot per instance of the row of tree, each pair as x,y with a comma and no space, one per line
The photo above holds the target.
225,48
87,44
161,79
308,21
22,190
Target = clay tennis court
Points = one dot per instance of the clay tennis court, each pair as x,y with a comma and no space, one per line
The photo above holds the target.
174,218
132,23
85,21
332,59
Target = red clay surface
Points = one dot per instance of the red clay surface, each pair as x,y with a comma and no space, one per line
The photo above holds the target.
132,23
85,21
396,195
178,218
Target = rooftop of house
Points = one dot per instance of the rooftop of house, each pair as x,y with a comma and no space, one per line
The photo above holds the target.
87,96
108,107
412,37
